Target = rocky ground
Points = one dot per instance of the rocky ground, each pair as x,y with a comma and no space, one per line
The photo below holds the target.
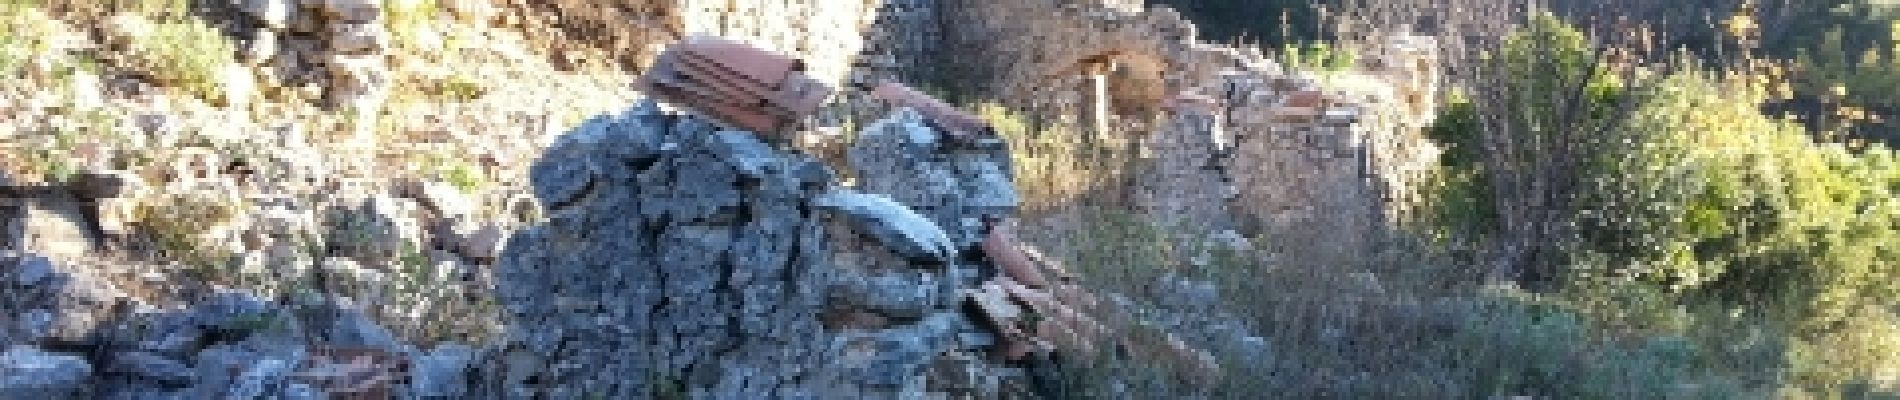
674,257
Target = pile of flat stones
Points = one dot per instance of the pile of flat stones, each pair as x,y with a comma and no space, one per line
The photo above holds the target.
330,50
68,334
680,258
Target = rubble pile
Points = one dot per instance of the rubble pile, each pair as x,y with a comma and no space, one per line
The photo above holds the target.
332,50
71,335
682,257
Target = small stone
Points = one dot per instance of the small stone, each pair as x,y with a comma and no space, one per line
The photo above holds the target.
37,323
309,23
744,151
176,341
287,261
898,227
125,27
444,199
382,229
33,269
361,38
275,14
259,378
87,89
260,49
362,69
484,244
29,373
216,365
152,368
231,311
346,325
443,372
236,83
352,10
558,182
300,391
1172,291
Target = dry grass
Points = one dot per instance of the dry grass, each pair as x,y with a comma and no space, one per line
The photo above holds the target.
1059,167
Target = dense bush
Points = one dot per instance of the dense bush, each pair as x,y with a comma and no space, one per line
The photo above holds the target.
1697,216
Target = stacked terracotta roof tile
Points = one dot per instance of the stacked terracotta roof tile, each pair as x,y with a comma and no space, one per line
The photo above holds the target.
745,86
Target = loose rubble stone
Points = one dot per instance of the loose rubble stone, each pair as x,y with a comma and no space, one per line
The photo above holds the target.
29,373
900,156
443,372
381,229
261,379
360,38
1173,291
237,84
444,199
275,14
32,269
351,10
893,224
484,243
152,368
346,325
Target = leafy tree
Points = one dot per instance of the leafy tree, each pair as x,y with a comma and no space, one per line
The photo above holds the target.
1543,108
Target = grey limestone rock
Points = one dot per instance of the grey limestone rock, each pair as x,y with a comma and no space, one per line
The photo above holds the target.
895,225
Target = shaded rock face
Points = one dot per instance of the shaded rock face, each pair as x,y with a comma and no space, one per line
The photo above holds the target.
682,260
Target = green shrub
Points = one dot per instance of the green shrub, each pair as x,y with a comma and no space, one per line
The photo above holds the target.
1699,220
1726,205
1722,208
188,54
176,225
1318,56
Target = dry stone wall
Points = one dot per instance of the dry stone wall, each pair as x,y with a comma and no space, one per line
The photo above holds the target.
827,34
1277,152
681,259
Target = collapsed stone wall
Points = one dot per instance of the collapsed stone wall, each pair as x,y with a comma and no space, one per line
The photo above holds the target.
1276,151
682,259
826,34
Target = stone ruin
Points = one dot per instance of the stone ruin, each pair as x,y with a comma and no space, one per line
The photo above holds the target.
680,257
657,218
1284,149
1266,151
